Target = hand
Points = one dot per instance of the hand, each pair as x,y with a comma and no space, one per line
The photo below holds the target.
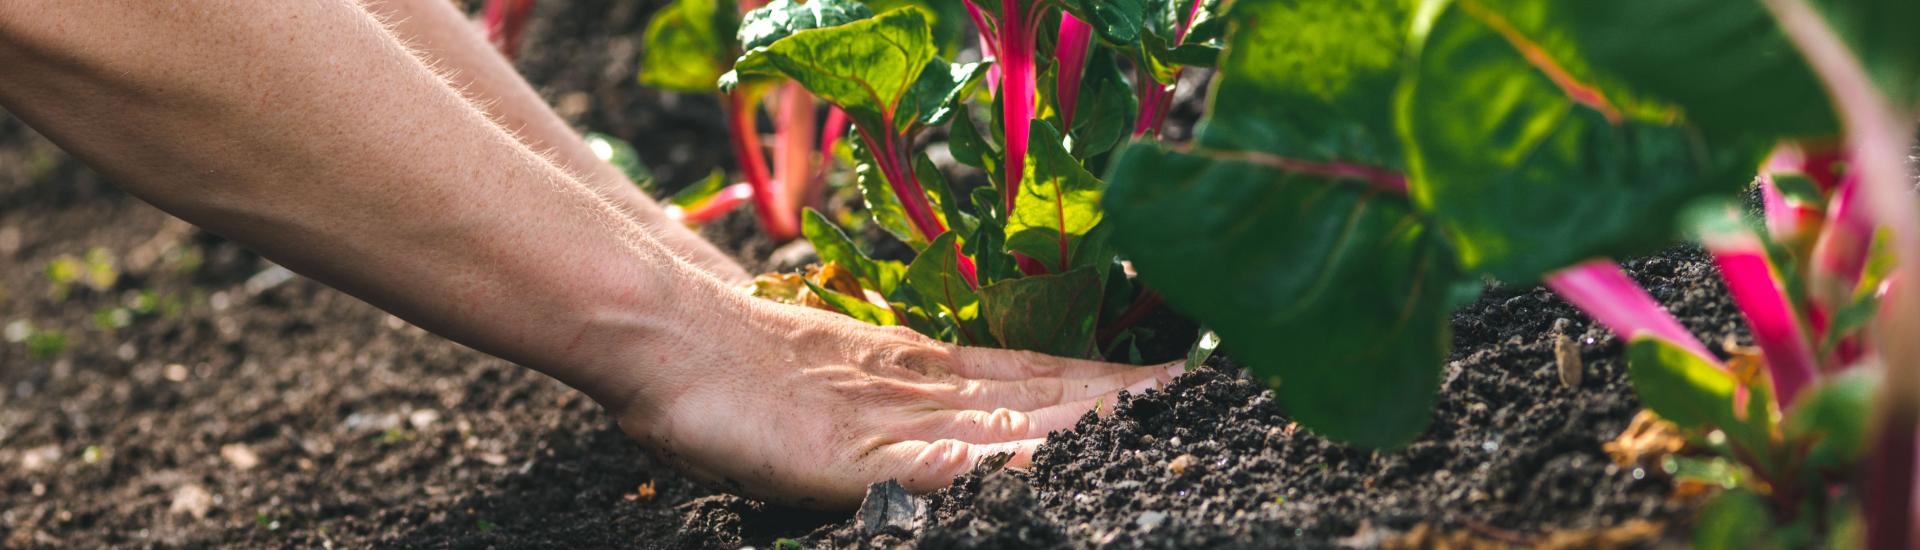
807,408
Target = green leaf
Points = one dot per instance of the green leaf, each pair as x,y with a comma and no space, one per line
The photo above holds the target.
1736,519
952,29
1059,202
865,67
1332,292
941,195
878,196
688,45
990,260
833,245
1523,178
698,193
1689,391
935,276
855,307
1726,64
621,154
1881,33
1104,117
1831,417
1117,21
968,147
935,97
1311,79
1202,349
781,18
1052,314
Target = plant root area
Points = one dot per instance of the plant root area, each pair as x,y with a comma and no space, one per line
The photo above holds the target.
199,396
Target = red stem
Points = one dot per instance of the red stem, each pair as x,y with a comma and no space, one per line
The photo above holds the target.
796,174
749,155
713,208
989,43
505,21
1776,328
1603,291
890,155
1017,89
1072,53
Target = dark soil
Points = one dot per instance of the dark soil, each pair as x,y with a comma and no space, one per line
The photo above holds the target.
251,409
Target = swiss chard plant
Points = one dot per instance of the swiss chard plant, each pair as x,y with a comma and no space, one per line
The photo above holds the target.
1020,260
1364,165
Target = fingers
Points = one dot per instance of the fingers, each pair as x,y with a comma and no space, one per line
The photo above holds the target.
999,364
1004,424
1038,393
923,466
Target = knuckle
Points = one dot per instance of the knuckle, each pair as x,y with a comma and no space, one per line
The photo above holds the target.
946,455
1008,422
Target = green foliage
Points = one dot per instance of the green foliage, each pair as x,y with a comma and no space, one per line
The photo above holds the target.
866,67
1057,206
1556,169
833,246
1311,79
1051,314
688,45
1334,293
621,154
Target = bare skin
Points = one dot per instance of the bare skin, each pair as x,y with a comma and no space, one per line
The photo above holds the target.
306,131
441,36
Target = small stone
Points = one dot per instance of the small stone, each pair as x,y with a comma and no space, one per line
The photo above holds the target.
192,500
240,456
1566,355
423,418
40,457
495,459
1150,520
889,507
1181,464
177,372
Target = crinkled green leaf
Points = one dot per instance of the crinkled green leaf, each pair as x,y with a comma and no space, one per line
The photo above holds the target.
781,18
833,245
688,45
1525,179
952,29
866,67
1725,63
1311,79
1058,203
935,276
936,97
1116,21
1053,314
1331,291
990,261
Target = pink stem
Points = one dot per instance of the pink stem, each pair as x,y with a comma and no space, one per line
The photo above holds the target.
890,156
794,169
1776,329
989,43
1017,89
1879,133
1841,253
713,208
1072,52
835,129
1603,291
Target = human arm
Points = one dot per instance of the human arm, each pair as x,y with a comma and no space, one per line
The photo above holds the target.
304,131
442,36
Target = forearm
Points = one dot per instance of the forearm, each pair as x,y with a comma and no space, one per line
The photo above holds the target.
440,33
304,131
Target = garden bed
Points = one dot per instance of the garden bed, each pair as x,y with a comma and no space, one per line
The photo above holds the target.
254,409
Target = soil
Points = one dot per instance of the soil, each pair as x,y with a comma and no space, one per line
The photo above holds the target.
252,408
